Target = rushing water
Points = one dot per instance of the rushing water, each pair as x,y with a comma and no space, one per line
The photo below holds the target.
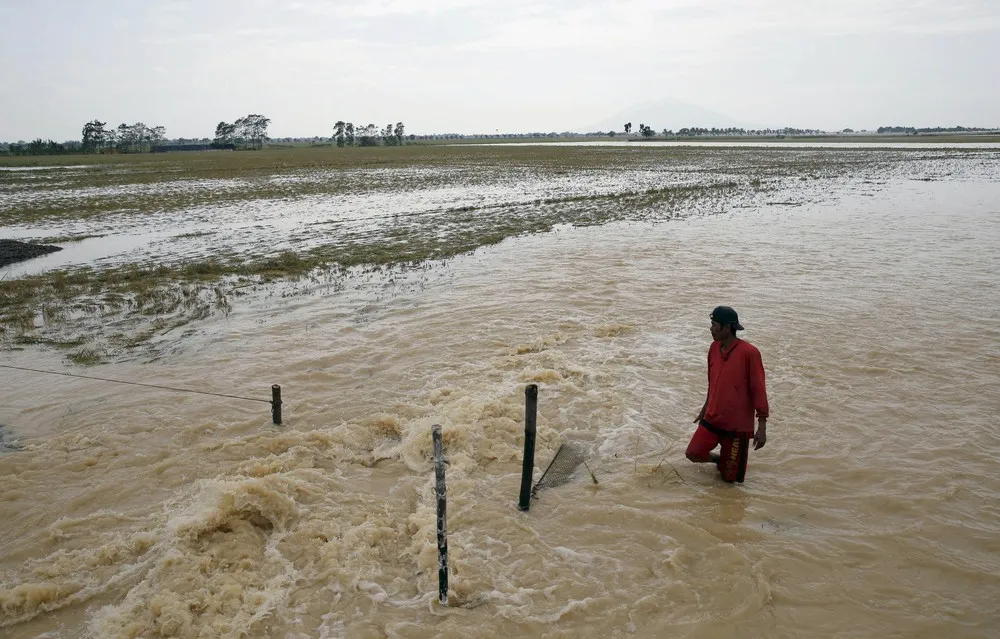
873,510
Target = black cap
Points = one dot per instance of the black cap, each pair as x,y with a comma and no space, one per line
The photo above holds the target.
727,316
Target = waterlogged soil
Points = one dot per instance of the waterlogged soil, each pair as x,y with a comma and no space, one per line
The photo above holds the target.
12,251
154,243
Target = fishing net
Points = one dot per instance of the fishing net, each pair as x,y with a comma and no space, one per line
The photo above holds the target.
561,469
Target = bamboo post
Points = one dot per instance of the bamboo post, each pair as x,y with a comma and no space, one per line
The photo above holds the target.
528,465
276,404
442,514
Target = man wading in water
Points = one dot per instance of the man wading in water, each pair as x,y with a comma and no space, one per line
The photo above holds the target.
735,392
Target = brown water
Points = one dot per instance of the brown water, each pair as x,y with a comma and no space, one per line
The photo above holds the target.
872,512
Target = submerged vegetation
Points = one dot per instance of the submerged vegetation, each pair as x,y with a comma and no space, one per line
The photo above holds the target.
342,211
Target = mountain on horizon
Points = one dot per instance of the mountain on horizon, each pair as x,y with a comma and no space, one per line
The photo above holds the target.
667,113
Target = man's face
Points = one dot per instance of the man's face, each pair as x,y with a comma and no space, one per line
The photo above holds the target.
719,332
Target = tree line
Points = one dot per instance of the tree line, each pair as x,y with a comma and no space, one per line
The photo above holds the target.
125,138
346,134
134,138
248,132
40,147
935,129
647,131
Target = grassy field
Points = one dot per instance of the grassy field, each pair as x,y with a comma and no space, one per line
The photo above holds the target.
499,192
304,155
256,175
943,138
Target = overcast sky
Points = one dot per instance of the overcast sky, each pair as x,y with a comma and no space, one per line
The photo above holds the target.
484,65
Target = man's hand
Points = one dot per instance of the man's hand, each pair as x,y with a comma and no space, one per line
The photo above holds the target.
760,437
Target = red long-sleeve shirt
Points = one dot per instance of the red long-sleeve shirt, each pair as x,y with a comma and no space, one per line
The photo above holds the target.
736,387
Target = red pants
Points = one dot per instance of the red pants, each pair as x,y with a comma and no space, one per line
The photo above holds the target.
732,457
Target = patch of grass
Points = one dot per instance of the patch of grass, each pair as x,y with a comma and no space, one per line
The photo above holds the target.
66,239
193,234
85,357
131,341
20,318
207,269
49,341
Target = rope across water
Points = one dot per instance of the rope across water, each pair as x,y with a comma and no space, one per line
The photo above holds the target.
118,381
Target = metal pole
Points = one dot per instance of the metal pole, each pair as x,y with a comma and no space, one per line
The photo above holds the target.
528,466
276,404
442,514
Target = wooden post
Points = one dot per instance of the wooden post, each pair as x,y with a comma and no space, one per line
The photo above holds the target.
528,465
276,404
442,514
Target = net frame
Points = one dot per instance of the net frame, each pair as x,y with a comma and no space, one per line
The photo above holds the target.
562,469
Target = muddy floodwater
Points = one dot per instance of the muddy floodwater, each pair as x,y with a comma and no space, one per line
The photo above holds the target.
868,279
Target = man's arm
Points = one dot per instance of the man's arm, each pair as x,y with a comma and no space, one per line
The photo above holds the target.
708,368
760,437
758,393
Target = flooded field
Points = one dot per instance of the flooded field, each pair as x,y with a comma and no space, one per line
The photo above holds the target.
157,242
389,292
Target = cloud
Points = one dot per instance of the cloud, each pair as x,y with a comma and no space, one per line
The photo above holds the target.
380,8
691,26
482,64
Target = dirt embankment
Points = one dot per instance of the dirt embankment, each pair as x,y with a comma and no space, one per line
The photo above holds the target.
13,251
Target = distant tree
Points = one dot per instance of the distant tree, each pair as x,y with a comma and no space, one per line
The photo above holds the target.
39,146
896,129
256,129
388,137
368,136
94,136
628,128
347,134
139,138
124,139
248,132
241,129
109,141
156,137
225,135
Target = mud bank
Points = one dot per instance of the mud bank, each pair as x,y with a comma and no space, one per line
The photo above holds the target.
12,251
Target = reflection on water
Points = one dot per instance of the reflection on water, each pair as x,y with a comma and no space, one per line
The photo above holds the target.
868,513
